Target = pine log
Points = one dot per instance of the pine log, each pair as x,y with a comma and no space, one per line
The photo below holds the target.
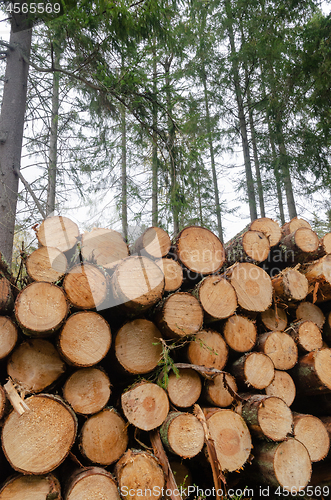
6,297
282,387
184,387
35,365
86,287
312,374
240,333
138,346
216,390
252,285
137,284
179,315
182,434
301,244
280,347
253,369
153,243
252,246
311,432
274,318
290,286
286,464
140,473
318,274
39,440
231,437
145,405
208,348
293,225
31,488
104,247
325,245
8,336
268,417
217,298
199,250
309,311
104,437
173,274
84,339
41,308
58,232
46,264
269,228
91,483
87,390
306,335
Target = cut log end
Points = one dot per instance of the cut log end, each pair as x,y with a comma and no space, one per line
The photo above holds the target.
217,298
173,274
183,434
217,390
92,483
59,232
184,388
274,318
311,432
256,245
85,286
252,285
309,311
46,264
307,335
104,247
282,387
240,333
154,242
281,349
290,285
8,336
31,488
208,349
254,370
293,225
269,227
180,315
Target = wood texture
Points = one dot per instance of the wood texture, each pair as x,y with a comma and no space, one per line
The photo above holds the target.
274,318
179,315
154,242
311,432
281,349
282,387
8,336
253,369
182,434
184,388
59,232
217,298
104,247
92,483
208,349
46,264
290,285
31,488
240,333
216,390
85,286
306,335
173,274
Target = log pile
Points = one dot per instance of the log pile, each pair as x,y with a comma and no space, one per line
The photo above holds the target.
173,364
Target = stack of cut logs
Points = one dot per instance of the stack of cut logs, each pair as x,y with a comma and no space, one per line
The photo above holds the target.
173,364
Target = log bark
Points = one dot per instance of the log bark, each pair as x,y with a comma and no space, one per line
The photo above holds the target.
137,284
86,287
8,336
31,488
46,264
87,390
231,437
290,286
217,298
293,225
58,232
140,472
252,246
89,483
309,311
6,297
41,309
240,333
3,401
153,243
173,274
179,315
184,388
35,365
216,391
208,349
39,440
312,374
280,347
199,250
253,369
104,247
301,244
182,434
282,387
286,464
84,339
145,405
306,335
274,318
252,285
269,228
268,417
311,432
104,437
138,346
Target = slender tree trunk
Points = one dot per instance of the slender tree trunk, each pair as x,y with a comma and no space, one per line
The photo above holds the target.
199,200
52,168
241,114
286,174
212,158
154,151
11,134
124,206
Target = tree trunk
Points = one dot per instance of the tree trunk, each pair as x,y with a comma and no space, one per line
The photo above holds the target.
182,434
11,132
217,298
208,349
39,449
104,437
282,387
155,164
124,189
6,297
179,315
301,244
318,274
184,388
53,139
240,333
252,246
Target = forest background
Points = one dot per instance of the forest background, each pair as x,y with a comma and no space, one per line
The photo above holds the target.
169,113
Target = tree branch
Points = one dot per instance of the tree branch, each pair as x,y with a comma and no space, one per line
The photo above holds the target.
28,188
